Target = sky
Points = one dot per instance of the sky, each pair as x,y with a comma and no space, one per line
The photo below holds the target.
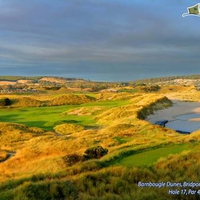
102,40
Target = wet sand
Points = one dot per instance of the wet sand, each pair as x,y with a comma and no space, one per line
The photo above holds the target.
178,108
194,120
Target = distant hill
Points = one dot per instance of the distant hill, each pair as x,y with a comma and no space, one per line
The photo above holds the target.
16,78
174,80
38,78
61,80
187,80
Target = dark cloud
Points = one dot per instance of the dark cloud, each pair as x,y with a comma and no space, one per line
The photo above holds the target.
109,38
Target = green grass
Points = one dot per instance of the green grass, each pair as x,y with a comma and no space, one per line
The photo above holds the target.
149,157
48,117
121,140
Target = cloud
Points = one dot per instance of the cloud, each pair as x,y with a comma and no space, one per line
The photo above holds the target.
96,36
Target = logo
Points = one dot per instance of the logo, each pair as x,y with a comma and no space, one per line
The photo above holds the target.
193,11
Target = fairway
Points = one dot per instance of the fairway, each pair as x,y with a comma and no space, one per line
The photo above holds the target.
48,117
147,158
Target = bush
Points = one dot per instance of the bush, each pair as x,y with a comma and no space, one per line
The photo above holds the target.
153,88
95,152
5,102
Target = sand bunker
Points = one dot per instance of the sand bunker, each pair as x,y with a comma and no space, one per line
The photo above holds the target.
194,120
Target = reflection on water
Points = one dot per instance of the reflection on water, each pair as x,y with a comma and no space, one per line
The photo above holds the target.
181,122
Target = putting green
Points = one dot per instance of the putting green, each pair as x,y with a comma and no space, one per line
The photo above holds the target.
149,157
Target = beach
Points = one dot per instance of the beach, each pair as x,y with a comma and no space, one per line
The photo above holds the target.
178,108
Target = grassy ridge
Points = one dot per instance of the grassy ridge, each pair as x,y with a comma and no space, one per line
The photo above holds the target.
67,99
149,109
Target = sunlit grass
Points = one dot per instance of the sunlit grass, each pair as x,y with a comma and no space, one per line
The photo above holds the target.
149,157
48,117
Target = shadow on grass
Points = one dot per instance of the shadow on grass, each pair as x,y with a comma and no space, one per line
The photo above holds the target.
10,118
92,127
67,121
39,124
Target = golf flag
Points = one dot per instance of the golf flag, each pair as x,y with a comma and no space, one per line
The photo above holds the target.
193,10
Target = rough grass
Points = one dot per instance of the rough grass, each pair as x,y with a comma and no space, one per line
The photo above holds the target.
68,128
39,100
70,99
12,135
26,102
3,155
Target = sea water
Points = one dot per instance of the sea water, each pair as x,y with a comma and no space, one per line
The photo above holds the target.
182,123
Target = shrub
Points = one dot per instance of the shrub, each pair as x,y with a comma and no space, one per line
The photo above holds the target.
95,152
5,102
153,88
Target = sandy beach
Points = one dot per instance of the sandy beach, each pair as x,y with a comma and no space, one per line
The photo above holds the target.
178,108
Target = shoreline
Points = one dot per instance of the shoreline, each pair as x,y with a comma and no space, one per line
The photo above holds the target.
178,108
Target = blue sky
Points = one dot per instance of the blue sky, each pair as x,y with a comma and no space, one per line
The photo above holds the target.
99,39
